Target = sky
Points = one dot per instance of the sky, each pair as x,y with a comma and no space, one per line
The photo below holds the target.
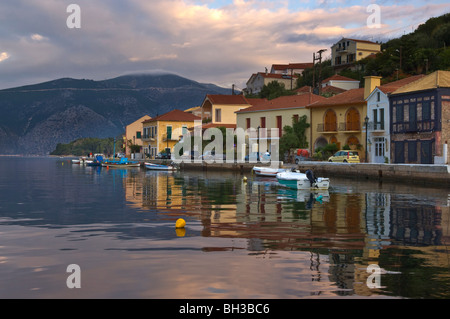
210,41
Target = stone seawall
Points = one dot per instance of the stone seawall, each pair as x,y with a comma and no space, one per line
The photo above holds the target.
436,175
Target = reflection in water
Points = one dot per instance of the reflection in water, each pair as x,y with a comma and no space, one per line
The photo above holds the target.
352,225
250,239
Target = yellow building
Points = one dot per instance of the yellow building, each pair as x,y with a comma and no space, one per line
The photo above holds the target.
346,52
276,113
133,133
340,119
220,109
164,131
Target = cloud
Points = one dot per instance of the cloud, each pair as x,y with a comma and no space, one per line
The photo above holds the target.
208,41
4,56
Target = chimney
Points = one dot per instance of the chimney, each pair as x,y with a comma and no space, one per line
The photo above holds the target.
370,83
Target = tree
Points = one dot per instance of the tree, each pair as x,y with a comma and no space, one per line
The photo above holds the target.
273,90
294,136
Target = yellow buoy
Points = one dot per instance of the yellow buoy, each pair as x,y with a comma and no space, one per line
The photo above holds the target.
180,223
245,179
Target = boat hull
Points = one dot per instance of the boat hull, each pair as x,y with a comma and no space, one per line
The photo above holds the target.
267,171
159,167
300,181
120,165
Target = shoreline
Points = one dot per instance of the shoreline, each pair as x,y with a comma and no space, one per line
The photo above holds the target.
421,174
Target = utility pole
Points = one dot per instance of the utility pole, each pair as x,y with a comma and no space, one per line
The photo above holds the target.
320,68
319,58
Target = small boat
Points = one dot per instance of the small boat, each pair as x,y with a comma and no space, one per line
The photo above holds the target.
160,167
76,161
267,171
297,180
122,163
95,162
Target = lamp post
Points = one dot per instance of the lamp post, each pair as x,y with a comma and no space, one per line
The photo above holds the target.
366,123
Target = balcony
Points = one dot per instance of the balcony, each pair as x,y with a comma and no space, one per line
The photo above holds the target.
376,126
148,138
350,127
170,137
327,128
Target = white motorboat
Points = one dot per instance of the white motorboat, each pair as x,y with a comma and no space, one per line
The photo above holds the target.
297,180
267,171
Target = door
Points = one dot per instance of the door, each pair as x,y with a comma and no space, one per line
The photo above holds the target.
399,149
330,121
426,152
352,120
380,146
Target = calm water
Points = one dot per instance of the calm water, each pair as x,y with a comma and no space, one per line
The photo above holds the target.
242,240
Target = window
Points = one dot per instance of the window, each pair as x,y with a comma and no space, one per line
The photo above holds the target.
399,114
279,125
412,151
138,135
169,132
248,122
412,117
381,126
263,122
378,96
426,111
218,115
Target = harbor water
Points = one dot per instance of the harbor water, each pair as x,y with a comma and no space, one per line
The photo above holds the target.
243,238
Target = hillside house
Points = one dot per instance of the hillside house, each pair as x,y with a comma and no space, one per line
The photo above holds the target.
347,51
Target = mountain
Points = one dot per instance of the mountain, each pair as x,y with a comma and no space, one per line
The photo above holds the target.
35,118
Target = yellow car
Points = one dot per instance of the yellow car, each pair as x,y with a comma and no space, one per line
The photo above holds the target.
345,157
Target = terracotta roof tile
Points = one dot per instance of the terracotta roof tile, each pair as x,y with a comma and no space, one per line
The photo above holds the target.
338,77
353,96
431,81
227,99
284,102
175,116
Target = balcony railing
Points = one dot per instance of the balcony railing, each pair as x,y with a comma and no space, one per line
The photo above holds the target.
343,127
171,137
327,127
350,127
376,126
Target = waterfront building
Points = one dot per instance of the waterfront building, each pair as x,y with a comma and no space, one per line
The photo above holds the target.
346,52
276,113
340,119
164,131
133,134
219,109
420,120
379,119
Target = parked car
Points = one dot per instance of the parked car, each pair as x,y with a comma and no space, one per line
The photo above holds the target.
163,155
345,156
265,156
190,155
208,155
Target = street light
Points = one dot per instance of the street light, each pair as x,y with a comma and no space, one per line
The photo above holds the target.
366,123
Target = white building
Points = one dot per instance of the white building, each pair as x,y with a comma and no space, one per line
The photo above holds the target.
378,112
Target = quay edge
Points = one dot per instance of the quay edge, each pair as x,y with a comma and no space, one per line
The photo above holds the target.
419,174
